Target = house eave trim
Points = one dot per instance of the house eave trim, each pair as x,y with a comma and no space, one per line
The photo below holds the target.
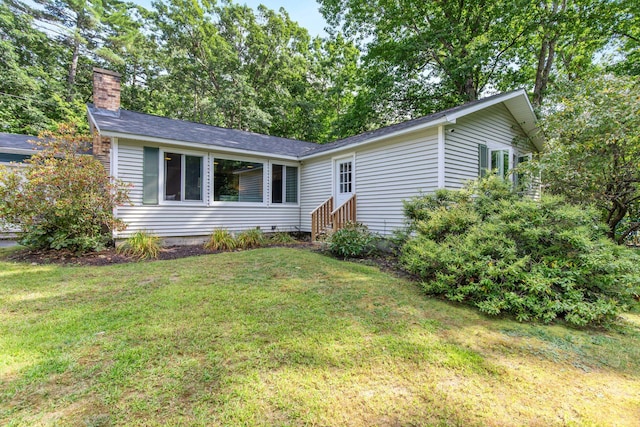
197,145
10,150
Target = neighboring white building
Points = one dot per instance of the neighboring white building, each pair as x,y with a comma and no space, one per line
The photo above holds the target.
15,149
188,178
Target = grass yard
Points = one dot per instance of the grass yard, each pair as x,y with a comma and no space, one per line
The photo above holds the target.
285,336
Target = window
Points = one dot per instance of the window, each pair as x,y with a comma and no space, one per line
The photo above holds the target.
237,181
494,160
500,162
345,177
182,177
9,157
284,184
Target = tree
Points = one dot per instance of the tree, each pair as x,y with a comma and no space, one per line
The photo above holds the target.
628,40
593,149
63,198
30,87
424,56
228,65
420,57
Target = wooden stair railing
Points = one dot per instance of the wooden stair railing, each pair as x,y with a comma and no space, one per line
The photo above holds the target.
324,217
321,218
344,213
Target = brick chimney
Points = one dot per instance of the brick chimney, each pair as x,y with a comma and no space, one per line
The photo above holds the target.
106,100
106,90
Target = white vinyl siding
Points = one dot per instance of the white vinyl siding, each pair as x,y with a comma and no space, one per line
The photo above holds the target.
315,187
494,126
392,172
130,169
181,221
184,220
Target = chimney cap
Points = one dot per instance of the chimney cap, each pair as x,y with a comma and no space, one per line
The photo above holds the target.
109,72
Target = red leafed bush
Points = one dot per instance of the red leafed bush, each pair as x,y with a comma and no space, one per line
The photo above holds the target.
64,198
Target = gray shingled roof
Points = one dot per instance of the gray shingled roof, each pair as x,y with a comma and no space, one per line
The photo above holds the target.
20,142
147,125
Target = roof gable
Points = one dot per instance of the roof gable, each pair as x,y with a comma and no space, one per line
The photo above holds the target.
516,102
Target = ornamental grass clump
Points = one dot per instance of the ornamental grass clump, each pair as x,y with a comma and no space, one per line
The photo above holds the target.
141,245
221,240
537,260
253,238
281,238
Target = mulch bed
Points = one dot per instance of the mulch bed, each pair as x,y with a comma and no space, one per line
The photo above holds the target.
109,256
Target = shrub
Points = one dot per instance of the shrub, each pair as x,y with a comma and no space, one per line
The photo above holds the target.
63,199
536,260
141,245
353,241
252,238
281,238
221,240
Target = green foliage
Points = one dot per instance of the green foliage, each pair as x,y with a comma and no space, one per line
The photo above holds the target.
592,150
252,238
537,260
141,245
221,240
353,241
63,199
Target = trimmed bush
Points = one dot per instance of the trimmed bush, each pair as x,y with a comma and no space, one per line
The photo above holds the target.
221,240
141,245
353,241
535,260
253,238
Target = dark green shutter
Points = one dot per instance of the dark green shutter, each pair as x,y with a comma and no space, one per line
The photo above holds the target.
483,160
150,171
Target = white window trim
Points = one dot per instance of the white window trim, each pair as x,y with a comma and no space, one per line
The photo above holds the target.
493,146
284,204
161,178
266,196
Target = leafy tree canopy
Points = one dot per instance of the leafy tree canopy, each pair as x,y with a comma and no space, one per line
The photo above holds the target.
593,149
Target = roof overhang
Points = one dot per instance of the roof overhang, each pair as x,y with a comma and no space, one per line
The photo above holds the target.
196,145
11,150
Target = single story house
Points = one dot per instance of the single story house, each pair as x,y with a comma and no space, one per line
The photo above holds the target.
15,149
188,179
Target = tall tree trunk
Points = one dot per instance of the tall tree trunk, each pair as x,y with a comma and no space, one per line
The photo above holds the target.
73,68
547,53
545,63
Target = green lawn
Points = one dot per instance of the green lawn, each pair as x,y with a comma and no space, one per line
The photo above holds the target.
289,337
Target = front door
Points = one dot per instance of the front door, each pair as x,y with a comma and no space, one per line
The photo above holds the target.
344,184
